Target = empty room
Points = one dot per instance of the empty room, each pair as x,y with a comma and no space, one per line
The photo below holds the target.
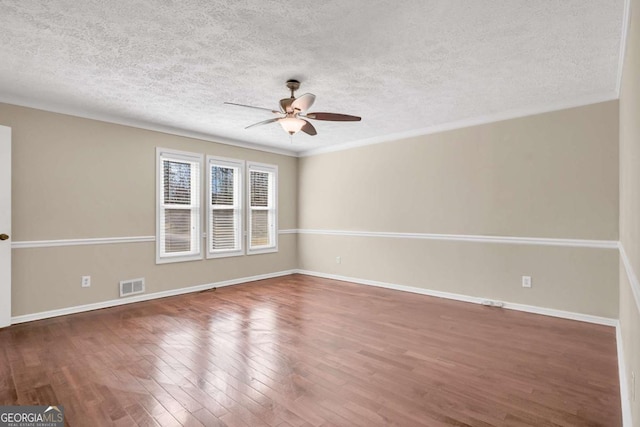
269,213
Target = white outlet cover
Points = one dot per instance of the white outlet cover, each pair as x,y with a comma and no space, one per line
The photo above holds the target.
526,281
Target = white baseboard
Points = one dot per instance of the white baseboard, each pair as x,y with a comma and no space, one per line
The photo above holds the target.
624,389
197,288
466,298
448,295
144,297
581,317
625,397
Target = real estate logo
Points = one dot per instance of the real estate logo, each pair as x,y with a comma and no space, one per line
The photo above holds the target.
31,416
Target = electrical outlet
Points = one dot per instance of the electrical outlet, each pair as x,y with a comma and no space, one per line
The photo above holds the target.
338,260
526,281
86,281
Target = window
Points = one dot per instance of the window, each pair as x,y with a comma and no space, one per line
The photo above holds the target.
224,201
178,206
262,201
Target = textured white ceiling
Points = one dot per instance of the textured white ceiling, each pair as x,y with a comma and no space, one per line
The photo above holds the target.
403,66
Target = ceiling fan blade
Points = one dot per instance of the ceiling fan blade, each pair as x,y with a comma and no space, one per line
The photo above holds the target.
285,105
303,102
334,117
265,122
251,106
308,128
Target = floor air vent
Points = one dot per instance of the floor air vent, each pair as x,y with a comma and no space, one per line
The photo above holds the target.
131,287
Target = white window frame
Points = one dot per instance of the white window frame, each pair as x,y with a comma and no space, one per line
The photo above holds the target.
195,206
239,197
273,196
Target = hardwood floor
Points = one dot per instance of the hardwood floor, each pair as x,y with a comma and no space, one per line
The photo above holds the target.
303,351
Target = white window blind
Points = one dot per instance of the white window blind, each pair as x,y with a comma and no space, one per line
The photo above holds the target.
225,207
178,210
262,185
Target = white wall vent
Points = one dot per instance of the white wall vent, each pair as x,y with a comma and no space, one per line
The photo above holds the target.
131,287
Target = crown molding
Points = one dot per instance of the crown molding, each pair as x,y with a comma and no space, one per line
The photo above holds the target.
626,19
465,123
139,124
443,127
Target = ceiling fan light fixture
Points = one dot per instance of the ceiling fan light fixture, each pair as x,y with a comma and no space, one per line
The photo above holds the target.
293,113
291,124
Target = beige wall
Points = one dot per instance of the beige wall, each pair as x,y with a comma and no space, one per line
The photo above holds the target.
80,178
76,178
483,270
630,201
49,278
552,175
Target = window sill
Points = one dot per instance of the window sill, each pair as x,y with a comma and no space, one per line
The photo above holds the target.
225,254
262,251
169,260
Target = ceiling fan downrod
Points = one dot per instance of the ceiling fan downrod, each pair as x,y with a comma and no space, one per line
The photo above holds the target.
293,86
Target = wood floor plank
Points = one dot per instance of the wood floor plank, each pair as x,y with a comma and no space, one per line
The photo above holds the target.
301,351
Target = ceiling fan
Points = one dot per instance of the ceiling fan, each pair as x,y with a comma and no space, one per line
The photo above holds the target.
293,113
